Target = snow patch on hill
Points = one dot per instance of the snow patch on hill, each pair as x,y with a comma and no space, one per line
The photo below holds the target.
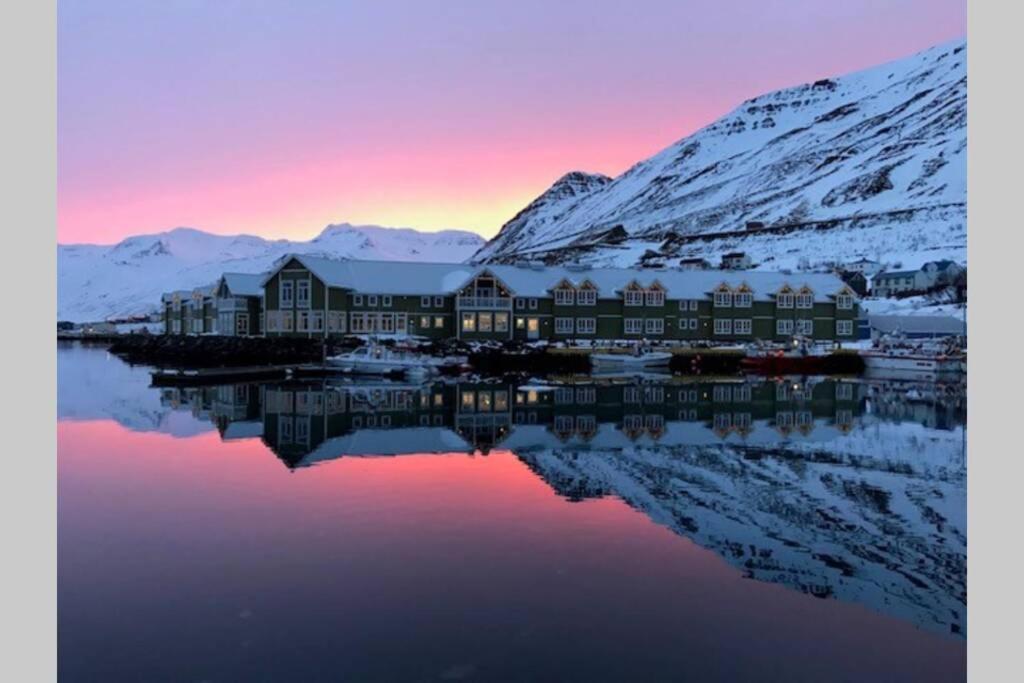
867,164
101,282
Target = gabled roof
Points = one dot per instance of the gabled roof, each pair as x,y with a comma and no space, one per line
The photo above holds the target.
421,279
244,284
896,273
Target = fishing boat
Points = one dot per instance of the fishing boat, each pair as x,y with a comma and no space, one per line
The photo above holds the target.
900,359
379,360
639,360
801,357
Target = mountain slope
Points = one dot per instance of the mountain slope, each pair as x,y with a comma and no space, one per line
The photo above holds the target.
100,282
876,159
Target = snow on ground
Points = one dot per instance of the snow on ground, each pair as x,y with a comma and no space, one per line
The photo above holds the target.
913,305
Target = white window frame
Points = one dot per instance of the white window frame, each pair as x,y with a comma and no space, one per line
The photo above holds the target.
385,301
744,326
520,303
563,325
723,325
586,297
468,323
287,321
805,327
844,302
654,326
743,300
564,296
655,297
290,289
371,300
633,297
632,325
484,322
723,299
586,325
424,302
533,304
303,294
316,320
357,299
438,302
784,326
844,328
784,300
501,321
805,301
302,321
692,324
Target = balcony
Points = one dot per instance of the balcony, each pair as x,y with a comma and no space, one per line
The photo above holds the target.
476,302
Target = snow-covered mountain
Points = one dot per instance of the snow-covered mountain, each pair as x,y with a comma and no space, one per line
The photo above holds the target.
869,164
100,282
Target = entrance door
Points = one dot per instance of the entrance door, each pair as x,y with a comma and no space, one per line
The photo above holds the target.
533,328
242,324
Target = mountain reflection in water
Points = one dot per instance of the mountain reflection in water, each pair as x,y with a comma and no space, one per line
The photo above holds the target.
836,488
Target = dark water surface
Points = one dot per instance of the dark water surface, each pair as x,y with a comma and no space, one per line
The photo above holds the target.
806,530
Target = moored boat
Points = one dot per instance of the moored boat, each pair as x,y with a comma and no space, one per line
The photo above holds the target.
925,361
378,360
630,361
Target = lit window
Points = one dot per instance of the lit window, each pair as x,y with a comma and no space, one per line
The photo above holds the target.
469,322
520,323
438,321
424,321
484,324
501,322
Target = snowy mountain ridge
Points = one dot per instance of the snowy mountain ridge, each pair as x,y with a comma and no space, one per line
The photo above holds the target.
97,282
871,163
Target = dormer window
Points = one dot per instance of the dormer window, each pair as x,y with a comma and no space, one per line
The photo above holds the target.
655,297
805,298
587,295
744,298
844,301
564,296
634,296
784,299
723,297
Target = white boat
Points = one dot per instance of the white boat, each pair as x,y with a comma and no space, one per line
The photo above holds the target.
630,361
378,360
903,360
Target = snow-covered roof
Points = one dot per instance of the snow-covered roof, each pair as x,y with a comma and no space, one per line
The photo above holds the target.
401,441
180,293
896,273
918,324
388,277
244,284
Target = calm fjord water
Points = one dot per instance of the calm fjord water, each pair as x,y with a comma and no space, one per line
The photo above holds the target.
807,530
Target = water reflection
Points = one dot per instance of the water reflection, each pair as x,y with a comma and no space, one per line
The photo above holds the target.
839,489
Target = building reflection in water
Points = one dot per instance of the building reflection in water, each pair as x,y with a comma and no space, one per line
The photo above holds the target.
840,489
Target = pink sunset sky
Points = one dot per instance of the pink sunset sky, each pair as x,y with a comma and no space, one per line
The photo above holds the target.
277,118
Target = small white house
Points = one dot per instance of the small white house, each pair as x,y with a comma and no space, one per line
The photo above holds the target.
735,260
862,265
